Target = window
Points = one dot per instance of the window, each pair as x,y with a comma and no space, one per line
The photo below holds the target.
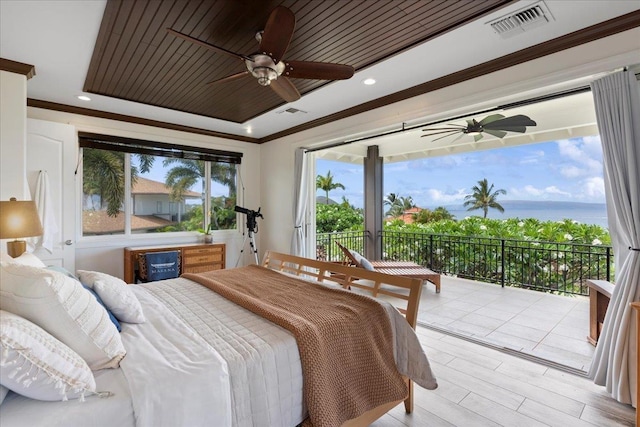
169,188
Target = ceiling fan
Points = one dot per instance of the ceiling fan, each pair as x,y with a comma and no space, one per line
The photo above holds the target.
495,124
268,65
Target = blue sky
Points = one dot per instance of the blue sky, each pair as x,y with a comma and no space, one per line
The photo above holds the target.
564,170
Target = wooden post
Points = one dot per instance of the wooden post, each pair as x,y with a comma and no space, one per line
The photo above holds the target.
636,309
599,296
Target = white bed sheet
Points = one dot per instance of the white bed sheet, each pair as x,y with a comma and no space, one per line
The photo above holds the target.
213,363
20,411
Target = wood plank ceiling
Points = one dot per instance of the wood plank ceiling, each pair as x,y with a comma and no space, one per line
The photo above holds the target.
136,60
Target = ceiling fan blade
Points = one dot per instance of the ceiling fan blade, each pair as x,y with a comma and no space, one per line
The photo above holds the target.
461,128
285,89
317,70
445,136
490,119
497,133
277,33
477,137
457,138
230,78
519,129
442,131
518,121
207,45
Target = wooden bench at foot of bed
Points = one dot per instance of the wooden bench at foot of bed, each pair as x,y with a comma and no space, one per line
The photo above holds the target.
399,287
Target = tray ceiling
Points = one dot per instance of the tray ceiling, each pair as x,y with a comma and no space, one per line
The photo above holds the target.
136,60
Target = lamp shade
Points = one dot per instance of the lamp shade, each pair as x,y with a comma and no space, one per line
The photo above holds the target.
19,219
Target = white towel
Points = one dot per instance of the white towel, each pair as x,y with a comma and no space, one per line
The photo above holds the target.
42,197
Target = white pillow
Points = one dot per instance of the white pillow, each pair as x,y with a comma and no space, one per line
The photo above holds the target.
116,295
5,257
36,365
366,264
62,307
28,259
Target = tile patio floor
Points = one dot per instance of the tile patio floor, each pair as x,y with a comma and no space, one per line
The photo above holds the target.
546,326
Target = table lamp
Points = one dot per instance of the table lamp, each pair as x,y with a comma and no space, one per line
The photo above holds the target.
18,219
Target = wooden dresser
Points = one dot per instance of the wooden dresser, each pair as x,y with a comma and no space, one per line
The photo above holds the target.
195,258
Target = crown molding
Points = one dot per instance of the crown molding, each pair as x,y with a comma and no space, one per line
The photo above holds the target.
17,67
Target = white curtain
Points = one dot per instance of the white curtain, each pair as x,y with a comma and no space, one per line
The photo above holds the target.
300,198
617,102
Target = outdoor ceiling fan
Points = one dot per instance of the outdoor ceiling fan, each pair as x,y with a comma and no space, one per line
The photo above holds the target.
495,124
268,65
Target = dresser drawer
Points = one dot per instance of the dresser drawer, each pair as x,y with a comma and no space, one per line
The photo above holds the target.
195,256
202,251
202,258
202,268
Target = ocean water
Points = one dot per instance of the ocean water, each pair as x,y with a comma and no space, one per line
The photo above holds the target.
586,213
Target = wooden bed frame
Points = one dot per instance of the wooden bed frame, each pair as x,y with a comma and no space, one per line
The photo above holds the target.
399,287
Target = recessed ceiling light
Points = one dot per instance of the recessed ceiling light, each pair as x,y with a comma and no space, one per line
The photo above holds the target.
369,81
83,98
249,130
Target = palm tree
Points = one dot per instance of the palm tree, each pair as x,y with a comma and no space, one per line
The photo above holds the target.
103,175
483,197
398,204
188,172
407,203
391,199
326,184
185,174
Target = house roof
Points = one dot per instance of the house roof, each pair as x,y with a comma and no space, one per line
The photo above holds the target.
98,222
407,215
409,73
148,186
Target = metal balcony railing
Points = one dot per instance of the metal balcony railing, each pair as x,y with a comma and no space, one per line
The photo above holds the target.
543,266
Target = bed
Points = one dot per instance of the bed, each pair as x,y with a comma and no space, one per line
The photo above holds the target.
200,359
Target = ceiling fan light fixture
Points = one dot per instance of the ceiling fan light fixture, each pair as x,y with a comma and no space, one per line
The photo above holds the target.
264,75
263,68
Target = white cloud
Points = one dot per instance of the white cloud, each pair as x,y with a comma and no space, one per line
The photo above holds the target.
529,191
552,189
533,191
533,158
572,171
440,197
594,187
584,153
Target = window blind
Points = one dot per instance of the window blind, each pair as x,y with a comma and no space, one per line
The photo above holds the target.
140,146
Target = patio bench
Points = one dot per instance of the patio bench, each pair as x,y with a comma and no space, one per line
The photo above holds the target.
395,268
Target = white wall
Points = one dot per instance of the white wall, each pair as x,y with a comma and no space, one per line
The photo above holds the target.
104,253
13,134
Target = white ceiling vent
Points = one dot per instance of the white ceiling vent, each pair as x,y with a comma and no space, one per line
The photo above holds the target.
291,111
523,20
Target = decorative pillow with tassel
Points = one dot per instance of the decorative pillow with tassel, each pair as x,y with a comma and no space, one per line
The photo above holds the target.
35,364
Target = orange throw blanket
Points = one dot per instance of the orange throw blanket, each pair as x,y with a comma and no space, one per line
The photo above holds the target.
344,339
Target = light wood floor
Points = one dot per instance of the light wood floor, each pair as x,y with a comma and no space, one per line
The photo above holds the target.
480,386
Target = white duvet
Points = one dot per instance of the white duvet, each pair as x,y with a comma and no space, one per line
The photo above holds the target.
201,360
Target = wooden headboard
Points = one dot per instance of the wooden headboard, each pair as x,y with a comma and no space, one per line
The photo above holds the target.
398,287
